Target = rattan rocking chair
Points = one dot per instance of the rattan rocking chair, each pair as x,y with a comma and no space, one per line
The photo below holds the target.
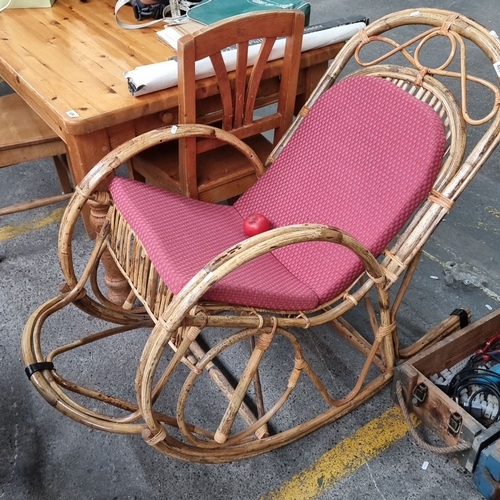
354,190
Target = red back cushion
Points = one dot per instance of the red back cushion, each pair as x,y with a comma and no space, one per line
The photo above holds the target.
362,160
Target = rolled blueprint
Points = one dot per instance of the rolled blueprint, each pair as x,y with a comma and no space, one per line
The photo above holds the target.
153,77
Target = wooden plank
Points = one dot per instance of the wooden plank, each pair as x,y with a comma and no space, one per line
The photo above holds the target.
74,59
457,346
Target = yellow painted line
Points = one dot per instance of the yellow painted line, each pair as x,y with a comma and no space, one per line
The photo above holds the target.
9,232
347,457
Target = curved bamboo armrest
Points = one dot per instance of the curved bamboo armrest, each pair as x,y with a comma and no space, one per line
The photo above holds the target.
258,245
95,183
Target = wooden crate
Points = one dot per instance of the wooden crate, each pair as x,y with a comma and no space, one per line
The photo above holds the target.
432,406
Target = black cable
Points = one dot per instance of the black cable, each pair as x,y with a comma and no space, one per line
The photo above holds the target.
478,381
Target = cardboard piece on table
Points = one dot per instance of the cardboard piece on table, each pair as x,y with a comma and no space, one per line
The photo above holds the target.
171,34
26,4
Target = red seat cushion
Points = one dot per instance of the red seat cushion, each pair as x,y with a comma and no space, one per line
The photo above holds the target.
182,235
362,160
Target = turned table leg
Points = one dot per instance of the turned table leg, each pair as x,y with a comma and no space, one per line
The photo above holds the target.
117,286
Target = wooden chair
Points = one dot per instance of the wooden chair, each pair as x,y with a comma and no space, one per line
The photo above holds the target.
205,169
355,188
26,137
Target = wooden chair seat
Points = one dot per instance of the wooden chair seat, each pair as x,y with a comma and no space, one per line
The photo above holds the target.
26,137
221,173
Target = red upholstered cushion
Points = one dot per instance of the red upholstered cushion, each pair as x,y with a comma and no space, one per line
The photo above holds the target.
362,160
182,235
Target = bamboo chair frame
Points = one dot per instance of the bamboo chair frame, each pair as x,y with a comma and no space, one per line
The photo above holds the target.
178,321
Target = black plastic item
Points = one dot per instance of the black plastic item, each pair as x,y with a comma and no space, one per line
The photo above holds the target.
462,314
38,367
154,11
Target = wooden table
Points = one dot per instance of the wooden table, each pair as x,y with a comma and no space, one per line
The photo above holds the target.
68,63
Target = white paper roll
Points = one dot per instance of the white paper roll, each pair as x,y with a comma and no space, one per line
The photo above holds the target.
153,77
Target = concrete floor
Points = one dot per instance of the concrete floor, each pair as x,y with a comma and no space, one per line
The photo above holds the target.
44,455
